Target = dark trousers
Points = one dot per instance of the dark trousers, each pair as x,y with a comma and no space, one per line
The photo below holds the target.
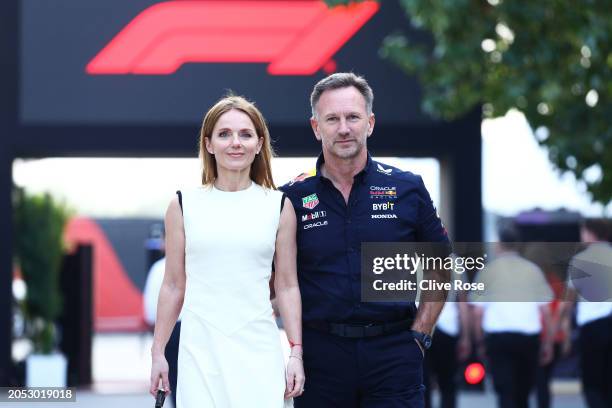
376,372
543,376
596,362
513,361
171,354
441,364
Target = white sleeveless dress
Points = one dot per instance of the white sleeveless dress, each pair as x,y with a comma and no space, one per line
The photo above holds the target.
230,353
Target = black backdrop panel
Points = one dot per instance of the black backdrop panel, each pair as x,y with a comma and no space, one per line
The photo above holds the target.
60,37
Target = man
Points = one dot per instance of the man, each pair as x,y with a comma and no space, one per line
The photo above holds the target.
508,319
357,354
590,272
150,296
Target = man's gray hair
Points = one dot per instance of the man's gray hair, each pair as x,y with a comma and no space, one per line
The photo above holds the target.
342,80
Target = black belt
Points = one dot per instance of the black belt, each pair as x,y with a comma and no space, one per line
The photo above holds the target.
357,331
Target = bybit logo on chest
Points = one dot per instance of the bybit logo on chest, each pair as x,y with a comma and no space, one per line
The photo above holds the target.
383,206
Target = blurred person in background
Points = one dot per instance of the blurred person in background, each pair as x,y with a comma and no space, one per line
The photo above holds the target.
590,285
221,240
560,337
553,260
450,345
508,320
150,296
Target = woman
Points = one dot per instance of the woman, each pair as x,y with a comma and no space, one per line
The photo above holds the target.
221,239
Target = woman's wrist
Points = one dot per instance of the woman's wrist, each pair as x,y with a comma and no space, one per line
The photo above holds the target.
293,344
296,350
157,351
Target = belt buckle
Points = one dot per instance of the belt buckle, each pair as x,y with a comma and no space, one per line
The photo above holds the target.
369,330
354,331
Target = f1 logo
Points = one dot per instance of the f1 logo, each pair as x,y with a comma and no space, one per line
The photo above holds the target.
295,37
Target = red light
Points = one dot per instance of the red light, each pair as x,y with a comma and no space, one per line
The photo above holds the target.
295,37
474,373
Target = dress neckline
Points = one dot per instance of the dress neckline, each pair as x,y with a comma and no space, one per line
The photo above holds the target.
250,187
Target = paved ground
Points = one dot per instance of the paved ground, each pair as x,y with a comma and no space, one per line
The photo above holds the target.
89,399
121,366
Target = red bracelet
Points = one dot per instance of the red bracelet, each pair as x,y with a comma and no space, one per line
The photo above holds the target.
292,344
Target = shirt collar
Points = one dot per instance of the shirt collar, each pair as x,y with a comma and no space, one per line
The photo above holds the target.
361,176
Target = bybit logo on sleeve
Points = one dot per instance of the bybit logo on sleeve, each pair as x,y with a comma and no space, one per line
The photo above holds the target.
296,37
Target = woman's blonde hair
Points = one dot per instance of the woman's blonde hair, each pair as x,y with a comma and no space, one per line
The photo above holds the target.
261,172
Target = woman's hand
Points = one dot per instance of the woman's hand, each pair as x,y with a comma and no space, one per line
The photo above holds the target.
159,369
294,377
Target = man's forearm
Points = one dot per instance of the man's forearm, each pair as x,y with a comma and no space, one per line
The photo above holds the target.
464,316
478,333
431,303
427,315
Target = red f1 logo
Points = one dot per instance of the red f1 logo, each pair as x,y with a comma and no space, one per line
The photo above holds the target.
295,37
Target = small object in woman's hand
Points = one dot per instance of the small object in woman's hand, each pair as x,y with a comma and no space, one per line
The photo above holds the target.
159,400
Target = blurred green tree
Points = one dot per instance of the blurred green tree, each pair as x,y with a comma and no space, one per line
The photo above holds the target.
39,223
551,60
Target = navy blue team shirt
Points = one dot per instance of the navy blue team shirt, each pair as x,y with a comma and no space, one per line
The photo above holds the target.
385,205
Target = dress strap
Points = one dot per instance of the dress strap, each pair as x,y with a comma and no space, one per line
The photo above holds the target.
180,198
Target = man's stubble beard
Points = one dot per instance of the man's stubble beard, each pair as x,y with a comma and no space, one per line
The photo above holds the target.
348,153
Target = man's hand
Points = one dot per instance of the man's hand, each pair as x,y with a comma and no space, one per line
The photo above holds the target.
546,352
464,348
566,346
